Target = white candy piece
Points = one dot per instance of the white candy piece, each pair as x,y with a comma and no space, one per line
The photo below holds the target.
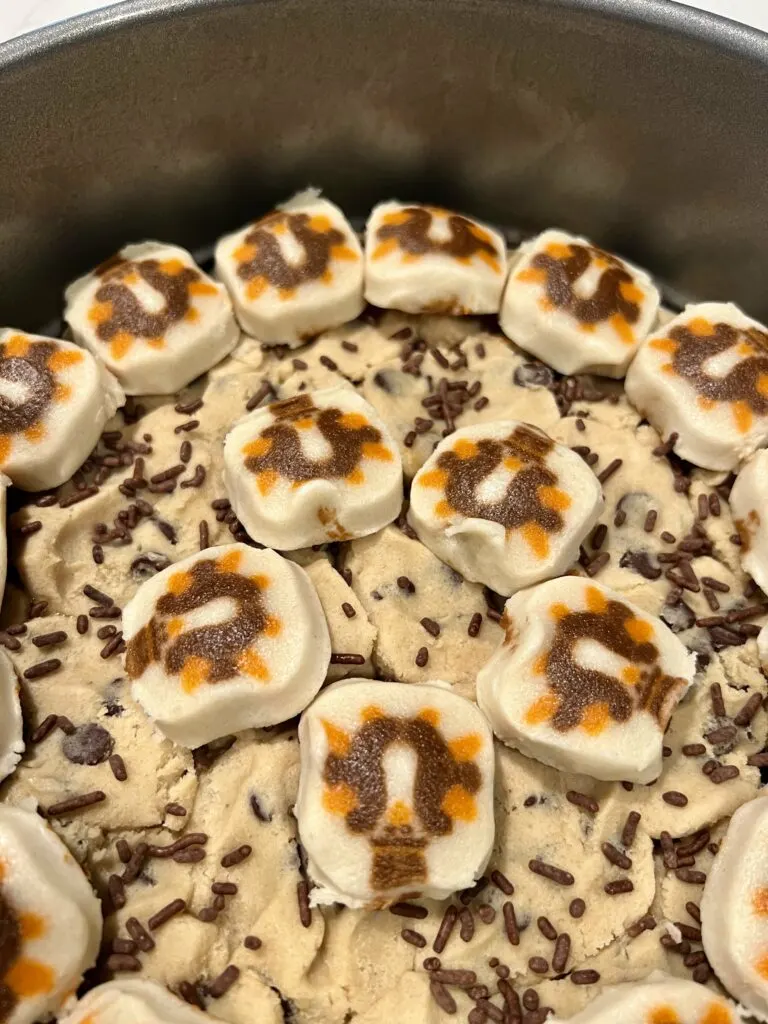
703,379
317,467
396,792
734,908
153,317
504,504
576,307
423,259
11,722
659,999
133,1001
749,505
294,273
54,401
584,680
228,639
50,919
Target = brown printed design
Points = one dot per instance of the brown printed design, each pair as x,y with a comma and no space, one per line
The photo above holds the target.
119,317
277,453
213,653
408,231
616,299
587,697
33,366
532,503
744,387
261,263
21,977
399,831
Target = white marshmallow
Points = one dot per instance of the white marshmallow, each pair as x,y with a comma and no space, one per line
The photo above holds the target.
704,378
423,259
153,317
11,723
659,999
504,504
396,792
749,505
133,1001
228,639
584,680
734,908
54,401
294,273
50,919
580,309
317,467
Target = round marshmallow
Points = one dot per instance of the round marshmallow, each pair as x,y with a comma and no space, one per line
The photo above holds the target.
580,309
11,723
132,1000
314,468
294,273
423,259
396,792
584,681
50,920
504,504
702,381
231,638
659,999
734,908
54,401
749,505
153,317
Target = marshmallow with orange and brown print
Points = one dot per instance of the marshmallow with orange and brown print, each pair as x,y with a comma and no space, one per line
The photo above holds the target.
734,908
294,273
315,468
396,792
228,639
658,999
153,318
702,382
130,1000
423,259
584,680
54,401
504,505
576,307
11,723
50,919
749,507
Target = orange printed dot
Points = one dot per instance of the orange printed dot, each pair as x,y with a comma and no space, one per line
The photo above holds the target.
465,449
459,804
669,369
35,433
436,478
252,664
179,582
229,562
255,288
596,601
512,463
760,901
595,718
630,291
100,312
539,666
63,359
531,275
339,741
559,250
546,304
306,423
431,715
663,1015
537,539
343,252
588,328
5,448
559,610
706,403
542,709
28,978
700,326
622,328
273,626
194,673
745,349
352,421
244,253
258,447
384,249
62,393
399,814
279,227
762,385
554,498
16,347
356,477
631,675
32,926
377,451
2,870
339,798
397,217
286,293
320,223
326,277
761,966
174,627
742,415
663,345
261,581
173,267
491,261
640,630
443,509
266,480
203,288
120,345
466,748
371,712
716,1013
156,343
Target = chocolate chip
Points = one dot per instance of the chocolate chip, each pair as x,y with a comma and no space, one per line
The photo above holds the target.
148,564
533,375
88,744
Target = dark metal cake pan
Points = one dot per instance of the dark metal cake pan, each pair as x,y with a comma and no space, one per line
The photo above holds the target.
641,123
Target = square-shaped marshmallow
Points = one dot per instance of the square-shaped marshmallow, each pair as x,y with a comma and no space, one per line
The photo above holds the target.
576,307
584,680
396,792
131,1000
703,380
504,504
658,999
423,259
153,318
228,639
294,273
54,401
317,467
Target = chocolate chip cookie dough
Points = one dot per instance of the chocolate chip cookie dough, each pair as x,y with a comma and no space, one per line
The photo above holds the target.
196,854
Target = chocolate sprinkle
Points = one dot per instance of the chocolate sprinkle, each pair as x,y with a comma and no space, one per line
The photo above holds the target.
42,668
555,874
446,927
510,923
75,803
621,885
414,938
305,911
224,982
170,910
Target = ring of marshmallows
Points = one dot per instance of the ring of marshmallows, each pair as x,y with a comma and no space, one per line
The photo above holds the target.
235,637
